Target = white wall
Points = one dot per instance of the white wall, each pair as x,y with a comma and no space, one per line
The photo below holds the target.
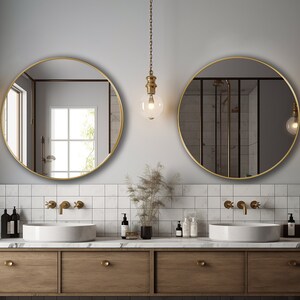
113,35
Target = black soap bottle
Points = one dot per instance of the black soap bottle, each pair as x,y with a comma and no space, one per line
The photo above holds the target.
291,225
15,220
179,230
5,225
124,227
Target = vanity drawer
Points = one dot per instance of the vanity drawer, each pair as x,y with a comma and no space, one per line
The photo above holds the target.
200,272
28,272
273,272
105,272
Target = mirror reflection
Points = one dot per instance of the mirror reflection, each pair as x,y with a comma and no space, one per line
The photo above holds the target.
62,118
238,118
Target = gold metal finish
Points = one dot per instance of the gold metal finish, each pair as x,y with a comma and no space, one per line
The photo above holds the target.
8,263
105,263
228,204
242,205
292,263
295,110
255,204
201,263
51,204
120,108
78,204
63,205
150,37
151,85
180,103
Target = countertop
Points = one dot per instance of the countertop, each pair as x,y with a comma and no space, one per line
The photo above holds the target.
287,243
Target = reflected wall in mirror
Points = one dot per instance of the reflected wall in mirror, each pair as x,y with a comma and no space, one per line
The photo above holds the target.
232,118
62,118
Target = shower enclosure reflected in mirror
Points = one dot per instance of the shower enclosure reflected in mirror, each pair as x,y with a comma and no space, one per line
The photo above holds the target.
232,118
62,118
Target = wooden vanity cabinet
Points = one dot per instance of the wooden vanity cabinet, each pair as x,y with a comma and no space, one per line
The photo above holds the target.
199,272
28,272
274,272
149,272
106,272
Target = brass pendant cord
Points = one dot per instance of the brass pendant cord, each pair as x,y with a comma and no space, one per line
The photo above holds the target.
150,38
151,85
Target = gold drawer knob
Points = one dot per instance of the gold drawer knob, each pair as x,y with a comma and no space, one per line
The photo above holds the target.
8,263
105,263
292,263
201,263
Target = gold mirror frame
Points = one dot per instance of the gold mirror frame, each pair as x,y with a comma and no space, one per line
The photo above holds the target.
120,108
213,63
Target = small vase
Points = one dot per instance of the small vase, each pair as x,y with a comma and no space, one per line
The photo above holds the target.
146,232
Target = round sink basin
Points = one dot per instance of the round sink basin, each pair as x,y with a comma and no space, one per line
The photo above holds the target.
245,232
59,232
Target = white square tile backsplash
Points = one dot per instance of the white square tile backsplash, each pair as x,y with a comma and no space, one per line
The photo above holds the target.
92,190
24,190
104,205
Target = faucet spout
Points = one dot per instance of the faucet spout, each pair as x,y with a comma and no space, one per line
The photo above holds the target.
63,205
242,205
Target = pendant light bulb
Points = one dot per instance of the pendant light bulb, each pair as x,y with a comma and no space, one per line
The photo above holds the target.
292,123
151,106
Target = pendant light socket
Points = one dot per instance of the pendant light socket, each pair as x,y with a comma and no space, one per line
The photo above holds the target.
151,85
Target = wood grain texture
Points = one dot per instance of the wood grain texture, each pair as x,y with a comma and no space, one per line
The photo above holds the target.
32,272
269,272
128,272
178,273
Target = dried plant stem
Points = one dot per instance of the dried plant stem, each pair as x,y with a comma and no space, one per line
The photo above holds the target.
149,194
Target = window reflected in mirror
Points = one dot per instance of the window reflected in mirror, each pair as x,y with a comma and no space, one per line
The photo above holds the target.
72,141
14,122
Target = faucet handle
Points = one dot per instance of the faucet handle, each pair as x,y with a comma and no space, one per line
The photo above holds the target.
228,204
50,204
78,204
255,204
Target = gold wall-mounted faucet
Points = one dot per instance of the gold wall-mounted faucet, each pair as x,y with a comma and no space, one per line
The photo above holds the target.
78,204
228,204
242,205
63,205
50,204
255,204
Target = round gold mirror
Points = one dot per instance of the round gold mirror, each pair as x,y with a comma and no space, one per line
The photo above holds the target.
238,118
62,118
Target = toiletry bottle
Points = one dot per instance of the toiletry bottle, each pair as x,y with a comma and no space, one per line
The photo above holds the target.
178,230
186,228
124,227
194,228
291,225
14,224
5,225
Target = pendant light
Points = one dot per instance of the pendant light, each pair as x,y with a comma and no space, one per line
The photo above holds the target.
292,123
151,105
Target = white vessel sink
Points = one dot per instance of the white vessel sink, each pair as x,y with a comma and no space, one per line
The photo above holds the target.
59,232
244,232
